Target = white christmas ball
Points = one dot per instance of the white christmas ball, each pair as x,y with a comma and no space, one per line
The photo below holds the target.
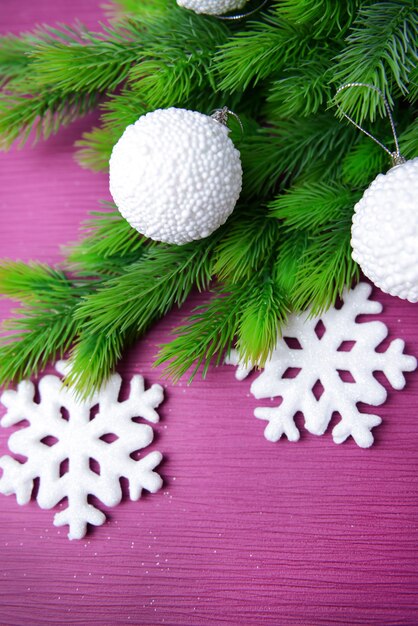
384,234
212,7
175,175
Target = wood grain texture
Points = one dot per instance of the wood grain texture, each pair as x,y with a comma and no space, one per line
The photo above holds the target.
244,531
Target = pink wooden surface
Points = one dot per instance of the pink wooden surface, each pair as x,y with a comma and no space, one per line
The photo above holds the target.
244,531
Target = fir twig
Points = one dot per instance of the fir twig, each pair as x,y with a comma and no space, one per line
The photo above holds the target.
253,55
44,114
291,147
248,313
313,207
124,307
179,59
248,241
382,51
46,326
121,9
323,17
362,163
14,56
276,254
325,270
108,246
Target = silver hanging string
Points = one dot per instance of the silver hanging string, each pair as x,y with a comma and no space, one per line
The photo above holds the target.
242,15
397,158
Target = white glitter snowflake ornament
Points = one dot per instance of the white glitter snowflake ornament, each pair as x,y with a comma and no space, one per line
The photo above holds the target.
334,371
175,175
212,7
384,234
96,447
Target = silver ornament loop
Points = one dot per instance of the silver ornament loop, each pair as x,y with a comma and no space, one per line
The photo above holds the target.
241,16
221,116
397,158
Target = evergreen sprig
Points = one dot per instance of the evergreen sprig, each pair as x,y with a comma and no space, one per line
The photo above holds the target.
108,246
14,58
285,248
382,50
291,147
124,307
45,328
255,54
44,114
325,270
248,313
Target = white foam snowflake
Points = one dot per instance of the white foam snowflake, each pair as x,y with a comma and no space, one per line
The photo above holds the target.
96,447
332,359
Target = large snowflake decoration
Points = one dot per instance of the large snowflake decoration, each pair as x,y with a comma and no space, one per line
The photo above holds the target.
75,451
325,365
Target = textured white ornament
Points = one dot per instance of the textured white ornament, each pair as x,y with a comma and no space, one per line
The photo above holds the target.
385,231
175,175
50,439
212,7
334,371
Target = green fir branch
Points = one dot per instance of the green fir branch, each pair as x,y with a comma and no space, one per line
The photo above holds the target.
87,67
413,85
302,90
206,335
259,51
95,148
122,9
293,246
247,313
382,51
43,114
287,244
289,148
313,206
108,246
362,163
248,240
325,270
14,57
408,140
73,59
45,327
124,307
179,59
262,317
323,16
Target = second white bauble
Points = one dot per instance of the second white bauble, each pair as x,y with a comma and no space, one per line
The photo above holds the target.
175,175
212,7
384,234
